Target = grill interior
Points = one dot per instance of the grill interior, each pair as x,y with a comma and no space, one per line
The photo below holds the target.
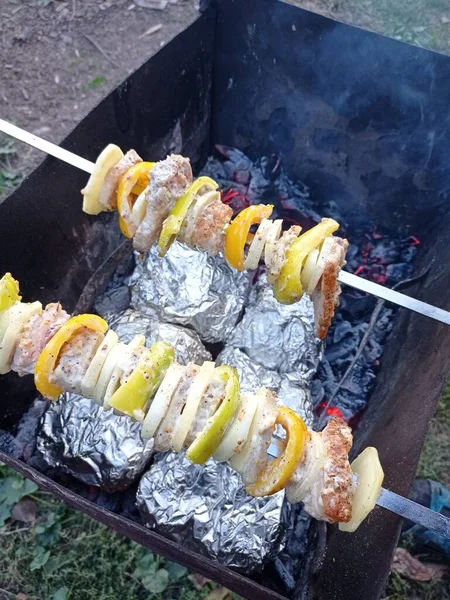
364,122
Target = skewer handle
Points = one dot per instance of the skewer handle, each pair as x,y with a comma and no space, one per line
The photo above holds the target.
344,277
438,314
48,147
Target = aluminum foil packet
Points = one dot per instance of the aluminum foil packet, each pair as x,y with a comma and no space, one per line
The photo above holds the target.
93,445
277,336
205,508
190,288
252,376
275,346
187,344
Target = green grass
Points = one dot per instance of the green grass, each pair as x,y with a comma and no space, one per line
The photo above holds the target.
403,589
65,554
434,464
435,459
10,178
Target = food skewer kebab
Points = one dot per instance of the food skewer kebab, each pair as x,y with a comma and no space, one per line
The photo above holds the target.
198,408
387,499
343,277
160,203
53,346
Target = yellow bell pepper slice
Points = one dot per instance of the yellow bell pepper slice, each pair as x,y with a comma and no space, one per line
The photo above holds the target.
288,287
132,397
237,232
172,224
277,472
131,185
9,291
208,440
48,358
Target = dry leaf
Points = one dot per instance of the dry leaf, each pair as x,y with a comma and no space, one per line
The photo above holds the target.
219,594
25,511
409,567
199,581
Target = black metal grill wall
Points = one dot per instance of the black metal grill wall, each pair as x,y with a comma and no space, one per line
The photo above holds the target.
361,119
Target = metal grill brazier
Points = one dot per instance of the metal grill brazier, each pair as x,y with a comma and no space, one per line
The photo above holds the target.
361,119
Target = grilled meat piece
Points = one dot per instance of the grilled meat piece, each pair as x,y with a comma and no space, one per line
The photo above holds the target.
35,335
326,295
164,433
169,180
204,225
74,359
337,490
211,399
108,193
277,254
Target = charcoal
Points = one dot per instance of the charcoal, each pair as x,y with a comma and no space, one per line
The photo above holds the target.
113,300
26,434
9,444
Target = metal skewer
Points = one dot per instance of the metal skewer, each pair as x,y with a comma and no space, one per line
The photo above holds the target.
408,509
387,499
346,278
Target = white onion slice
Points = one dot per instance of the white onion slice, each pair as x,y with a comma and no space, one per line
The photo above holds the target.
195,211
114,381
123,365
257,246
17,316
161,401
139,209
272,238
236,435
93,373
6,317
202,201
309,267
251,459
196,391
308,470
105,375
327,246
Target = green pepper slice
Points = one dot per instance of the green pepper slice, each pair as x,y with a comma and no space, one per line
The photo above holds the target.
172,225
208,440
288,287
131,398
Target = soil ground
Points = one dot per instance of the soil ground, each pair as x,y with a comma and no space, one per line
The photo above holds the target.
59,58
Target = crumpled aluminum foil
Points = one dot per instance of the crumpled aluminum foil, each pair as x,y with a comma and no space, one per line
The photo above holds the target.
277,336
275,346
205,508
187,344
252,376
190,288
94,445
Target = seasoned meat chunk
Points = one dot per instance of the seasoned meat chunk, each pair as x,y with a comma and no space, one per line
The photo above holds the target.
277,254
207,230
108,193
326,295
337,491
169,180
75,358
164,433
36,334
